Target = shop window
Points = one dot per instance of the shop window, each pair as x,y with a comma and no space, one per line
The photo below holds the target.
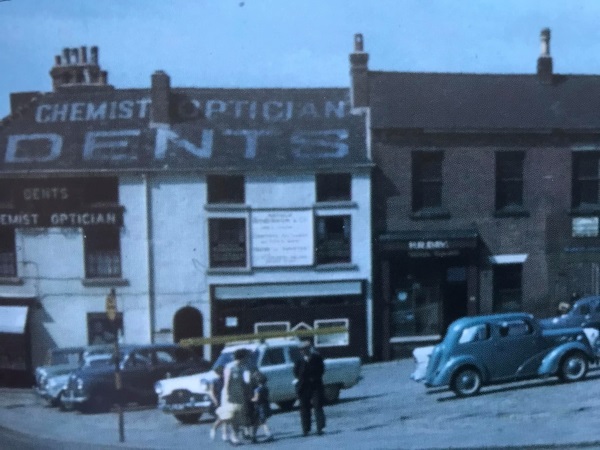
509,180
586,180
102,252
333,187
101,191
426,181
271,327
332,339
507,287
101,330
227,242
8,260
226,189
333,240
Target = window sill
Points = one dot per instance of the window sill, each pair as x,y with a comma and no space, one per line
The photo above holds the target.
588,210
431,213
229,271
335,204
13,281
512,212
335,266
226,207
102,282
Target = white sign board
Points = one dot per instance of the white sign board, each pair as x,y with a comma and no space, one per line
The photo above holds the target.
585,227
282,238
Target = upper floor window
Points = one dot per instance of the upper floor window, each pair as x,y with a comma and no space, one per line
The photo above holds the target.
426,180
586,179
509,180
227,242
333,240
102,252
333,187
8,258
508,292
226,189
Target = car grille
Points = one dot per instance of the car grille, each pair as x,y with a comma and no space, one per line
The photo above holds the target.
184,396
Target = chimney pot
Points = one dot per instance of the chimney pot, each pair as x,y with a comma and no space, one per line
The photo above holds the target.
57,60
358,43
104,77
94,55
544,62
83,52
67,56
545,41
75,53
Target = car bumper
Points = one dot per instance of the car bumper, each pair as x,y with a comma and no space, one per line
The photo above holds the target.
71,398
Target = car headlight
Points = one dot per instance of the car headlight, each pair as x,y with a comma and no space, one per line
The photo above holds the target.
79,384
158,388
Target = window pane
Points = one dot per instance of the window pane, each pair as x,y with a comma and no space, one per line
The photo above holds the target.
102,252
227,242
333,239
225,189
8,260
585,178
332,339
427,180
509,179
333,187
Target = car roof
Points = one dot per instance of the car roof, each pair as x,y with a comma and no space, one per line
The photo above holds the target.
473,320
587,299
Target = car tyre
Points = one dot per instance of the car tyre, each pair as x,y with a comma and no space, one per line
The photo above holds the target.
573,367
466,382
188,419
286,405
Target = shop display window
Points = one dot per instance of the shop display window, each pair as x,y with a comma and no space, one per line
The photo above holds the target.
227,242
333,240
332,339
333,187
225,189
102,252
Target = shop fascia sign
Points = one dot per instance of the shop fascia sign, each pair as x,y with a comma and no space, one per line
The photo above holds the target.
233,130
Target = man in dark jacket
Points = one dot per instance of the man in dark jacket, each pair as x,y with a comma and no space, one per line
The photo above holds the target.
309,387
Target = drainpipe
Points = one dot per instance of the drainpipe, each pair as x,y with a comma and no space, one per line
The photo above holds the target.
150,256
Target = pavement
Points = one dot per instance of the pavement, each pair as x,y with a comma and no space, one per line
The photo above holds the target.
386,410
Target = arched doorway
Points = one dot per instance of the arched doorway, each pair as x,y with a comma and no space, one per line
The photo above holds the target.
188,323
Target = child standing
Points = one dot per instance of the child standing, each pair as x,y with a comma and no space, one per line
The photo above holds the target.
216,394
262,405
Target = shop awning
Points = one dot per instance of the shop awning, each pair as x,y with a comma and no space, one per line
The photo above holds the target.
13,319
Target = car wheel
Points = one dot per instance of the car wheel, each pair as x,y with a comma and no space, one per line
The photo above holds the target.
286,405
573,367
467,381
188,419
331,394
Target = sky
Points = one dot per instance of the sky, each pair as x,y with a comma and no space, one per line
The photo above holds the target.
290,43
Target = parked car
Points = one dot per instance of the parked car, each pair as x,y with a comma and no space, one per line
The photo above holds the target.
187,398
92,389
585,312
497,348
50,378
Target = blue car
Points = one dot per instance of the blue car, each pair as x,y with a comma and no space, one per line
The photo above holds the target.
482,350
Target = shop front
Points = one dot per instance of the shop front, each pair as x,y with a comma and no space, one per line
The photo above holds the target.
285,307
428,280
15,342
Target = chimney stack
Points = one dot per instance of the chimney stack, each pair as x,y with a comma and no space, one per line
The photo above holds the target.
544,62
359,74
74,69
160,93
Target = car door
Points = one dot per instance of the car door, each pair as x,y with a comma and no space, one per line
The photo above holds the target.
275,367
515,343
135,373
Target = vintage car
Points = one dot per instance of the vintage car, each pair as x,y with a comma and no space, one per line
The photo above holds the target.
585,312
92,389
497,348
187,398
51,377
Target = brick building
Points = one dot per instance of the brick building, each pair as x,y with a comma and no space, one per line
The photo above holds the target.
486,193
210,211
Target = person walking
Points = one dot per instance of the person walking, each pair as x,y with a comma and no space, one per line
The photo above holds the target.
309,372
237,389
216,395
262,405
